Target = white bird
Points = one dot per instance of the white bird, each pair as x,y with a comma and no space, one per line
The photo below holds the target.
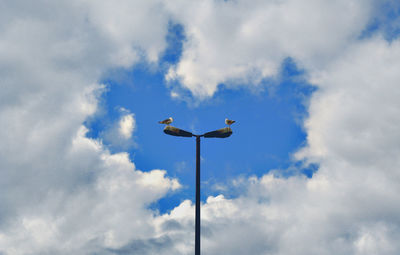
229,122
167,121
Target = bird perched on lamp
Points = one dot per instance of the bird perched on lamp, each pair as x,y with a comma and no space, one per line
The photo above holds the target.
229,122
167,121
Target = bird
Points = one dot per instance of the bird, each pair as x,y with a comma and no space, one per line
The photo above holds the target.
167,121
229,122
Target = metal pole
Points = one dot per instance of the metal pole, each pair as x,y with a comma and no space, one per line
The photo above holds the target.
197,237
220,133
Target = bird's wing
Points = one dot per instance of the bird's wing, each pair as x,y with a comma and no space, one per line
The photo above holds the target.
164,121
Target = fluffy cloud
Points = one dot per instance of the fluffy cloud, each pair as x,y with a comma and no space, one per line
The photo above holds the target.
62,193
241,42
119,135
127,126
94,201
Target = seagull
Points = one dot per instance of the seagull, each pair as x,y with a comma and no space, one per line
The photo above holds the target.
229,122
167,121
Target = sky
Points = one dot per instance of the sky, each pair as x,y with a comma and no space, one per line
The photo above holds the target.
312,166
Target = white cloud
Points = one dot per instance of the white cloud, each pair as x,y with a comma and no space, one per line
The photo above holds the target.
242,42
120,134
60,192
80,216
127,125
354,114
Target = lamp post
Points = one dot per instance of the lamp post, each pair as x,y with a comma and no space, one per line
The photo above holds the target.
220,133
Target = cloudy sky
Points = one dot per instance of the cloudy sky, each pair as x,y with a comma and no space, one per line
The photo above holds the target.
312,167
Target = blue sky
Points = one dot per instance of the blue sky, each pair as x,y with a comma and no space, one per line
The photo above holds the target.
268,129
312,166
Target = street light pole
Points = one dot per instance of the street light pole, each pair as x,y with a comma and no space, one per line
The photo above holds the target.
220,133
197,237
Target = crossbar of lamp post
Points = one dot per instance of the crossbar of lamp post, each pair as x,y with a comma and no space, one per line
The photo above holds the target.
220,133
